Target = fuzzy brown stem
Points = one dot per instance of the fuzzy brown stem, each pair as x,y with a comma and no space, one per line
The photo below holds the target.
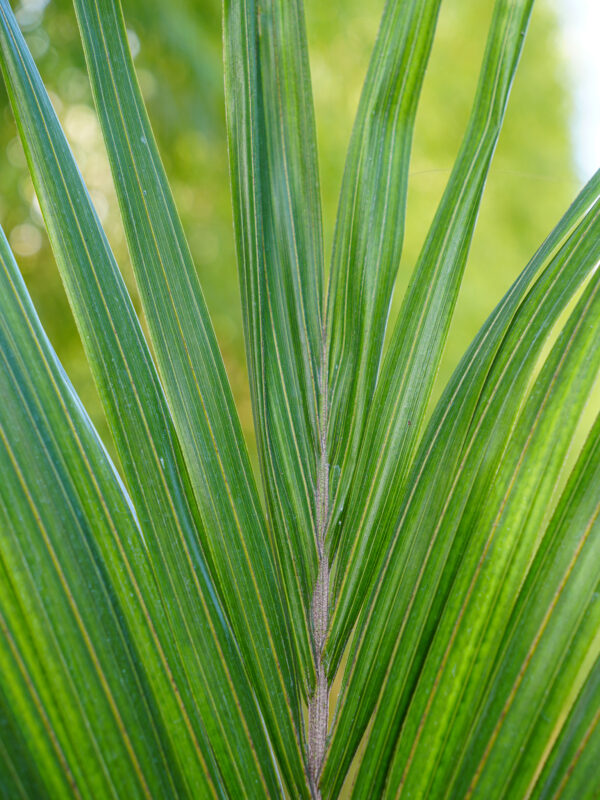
318,707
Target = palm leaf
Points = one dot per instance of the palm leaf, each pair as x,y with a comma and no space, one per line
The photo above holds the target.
387,652
137,410
160,634
277,214
370,226
234,533
571,768
421,329
550,643
498,536
84,604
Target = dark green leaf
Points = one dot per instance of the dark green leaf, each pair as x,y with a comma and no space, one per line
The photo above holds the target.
145,436
411,363
277,214
234,533
571,770
497,538
549,650
370,223
80,609
409,591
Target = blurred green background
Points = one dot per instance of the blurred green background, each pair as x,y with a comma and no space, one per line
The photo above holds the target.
177,52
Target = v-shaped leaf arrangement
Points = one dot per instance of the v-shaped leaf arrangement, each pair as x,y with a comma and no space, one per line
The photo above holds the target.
166,631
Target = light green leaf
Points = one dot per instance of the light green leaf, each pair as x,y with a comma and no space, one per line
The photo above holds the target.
549,647
393,631
80,609
234,533
411,363
498,537
25,771
277,215
370,222
571,771
144,434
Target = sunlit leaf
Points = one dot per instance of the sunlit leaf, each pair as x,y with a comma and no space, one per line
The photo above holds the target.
277,214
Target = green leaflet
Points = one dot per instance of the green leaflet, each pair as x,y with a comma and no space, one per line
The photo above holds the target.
498,535
24,771
160,635
410,591
571,770
370,224
234,533
277,215
144,434
410,365
80,610
550,644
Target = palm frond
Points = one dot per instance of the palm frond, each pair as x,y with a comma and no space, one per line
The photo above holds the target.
277,214
81,612
404,386
370,227
145,433
164,635
482,399
233,532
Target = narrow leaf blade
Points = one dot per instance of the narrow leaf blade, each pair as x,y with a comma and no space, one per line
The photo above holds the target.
498,536
571,770
194,377
143,430
551,638
386,654
370,222
277,216
234,532
416,346
79,604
